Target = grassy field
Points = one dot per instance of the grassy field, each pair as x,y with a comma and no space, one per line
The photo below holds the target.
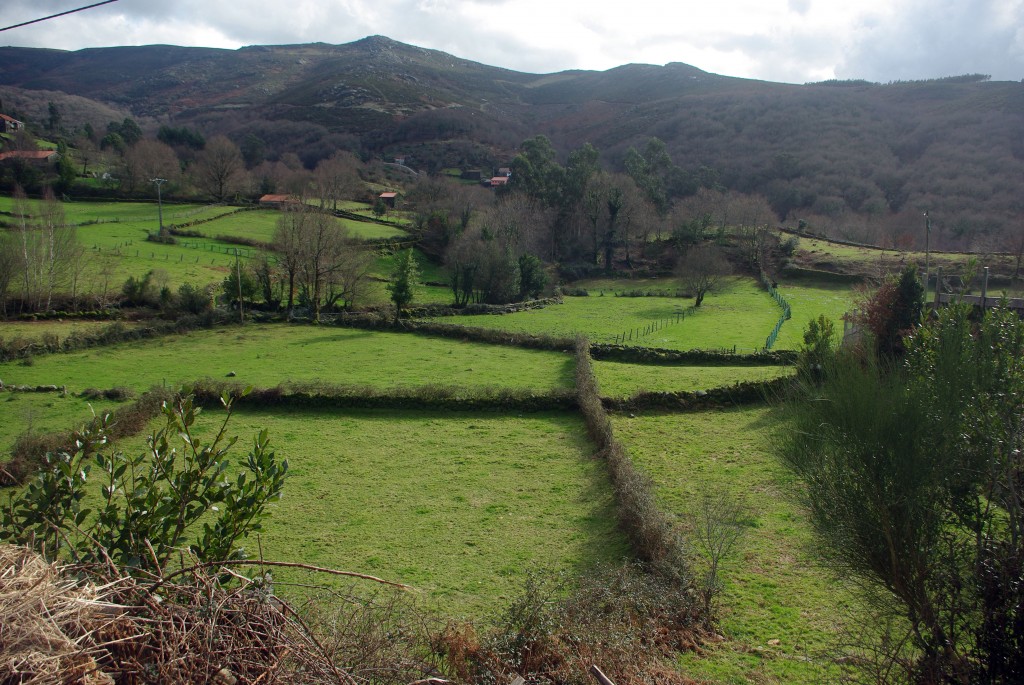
449,503
260,224
808,301
875,262
114,237
618,379
270,354
34,330
742,315
773,589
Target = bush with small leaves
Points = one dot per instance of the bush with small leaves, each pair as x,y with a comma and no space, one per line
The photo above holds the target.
183,493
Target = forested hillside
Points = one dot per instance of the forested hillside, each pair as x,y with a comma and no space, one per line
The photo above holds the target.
851,159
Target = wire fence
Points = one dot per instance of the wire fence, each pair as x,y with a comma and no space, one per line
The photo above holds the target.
130,249
787,311
653,326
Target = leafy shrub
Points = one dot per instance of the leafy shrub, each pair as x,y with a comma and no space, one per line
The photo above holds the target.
118,394
152,502
790,245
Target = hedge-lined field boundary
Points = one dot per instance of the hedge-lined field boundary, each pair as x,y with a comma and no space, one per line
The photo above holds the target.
426,397
653,535
749,392
382,322
117,332
30,450
665,357
481,309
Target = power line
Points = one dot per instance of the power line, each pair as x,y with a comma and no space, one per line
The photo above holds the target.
54,16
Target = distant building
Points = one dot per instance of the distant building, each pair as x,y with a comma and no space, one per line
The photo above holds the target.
499,181
389,199
10,124
400,161
37,157
276,201
505,171
472,174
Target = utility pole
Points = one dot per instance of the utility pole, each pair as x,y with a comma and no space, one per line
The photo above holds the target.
927,253
159,202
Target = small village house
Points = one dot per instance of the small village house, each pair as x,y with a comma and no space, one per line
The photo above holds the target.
10,124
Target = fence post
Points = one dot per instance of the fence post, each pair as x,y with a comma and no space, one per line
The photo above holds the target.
984,290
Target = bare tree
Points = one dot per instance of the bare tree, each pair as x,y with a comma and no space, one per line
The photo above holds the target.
46,245
718,526
316,254
324,242
149,159
9,265
288,244
86,152
702,270
219,168
349,282
337,178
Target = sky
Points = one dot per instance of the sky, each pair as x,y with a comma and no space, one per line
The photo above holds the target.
792,41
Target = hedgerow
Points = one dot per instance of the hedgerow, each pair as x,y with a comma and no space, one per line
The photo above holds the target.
654,537
30,449
655,355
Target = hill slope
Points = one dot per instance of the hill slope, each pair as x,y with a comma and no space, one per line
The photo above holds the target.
855,157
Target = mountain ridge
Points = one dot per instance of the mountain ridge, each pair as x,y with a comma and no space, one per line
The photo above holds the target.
844,153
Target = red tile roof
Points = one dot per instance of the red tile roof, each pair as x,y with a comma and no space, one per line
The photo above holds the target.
275,198
27,154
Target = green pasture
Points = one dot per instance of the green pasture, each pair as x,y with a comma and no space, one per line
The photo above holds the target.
742,315
774,589
62,328
260,224
114,237
265,355
598,287
808,301
430,272
396,216
461,506
617,379
30,412
876,262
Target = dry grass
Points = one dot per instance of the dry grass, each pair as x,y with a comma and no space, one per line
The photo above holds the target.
94,626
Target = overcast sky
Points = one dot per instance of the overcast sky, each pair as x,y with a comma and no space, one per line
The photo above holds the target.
777,40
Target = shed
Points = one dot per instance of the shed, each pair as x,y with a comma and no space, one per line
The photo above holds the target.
389,199
276,201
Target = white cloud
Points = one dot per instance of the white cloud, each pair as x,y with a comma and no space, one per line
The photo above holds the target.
783,40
